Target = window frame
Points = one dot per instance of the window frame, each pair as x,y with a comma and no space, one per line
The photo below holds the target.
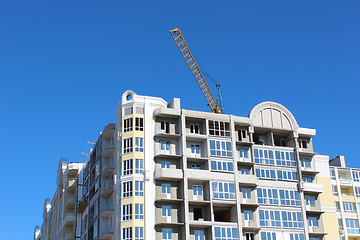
139,188
127,189
139,124
166,233
269,196
165,126
219,128
165,146
127,167
128,125
128,145
139,144
165,164
126,212
166,187
139,166
220,165
220,148
194,129
223,190
127,233
139,211
195,149
139,233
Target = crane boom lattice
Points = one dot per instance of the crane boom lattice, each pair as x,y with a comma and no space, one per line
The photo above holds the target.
185,51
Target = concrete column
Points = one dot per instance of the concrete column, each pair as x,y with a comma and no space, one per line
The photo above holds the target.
295,136
236,173
185,180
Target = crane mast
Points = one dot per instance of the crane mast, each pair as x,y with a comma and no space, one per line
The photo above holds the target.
185,51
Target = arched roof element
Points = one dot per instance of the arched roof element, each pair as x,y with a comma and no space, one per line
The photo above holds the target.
274,115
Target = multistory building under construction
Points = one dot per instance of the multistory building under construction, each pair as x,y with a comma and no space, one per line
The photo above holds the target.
166,173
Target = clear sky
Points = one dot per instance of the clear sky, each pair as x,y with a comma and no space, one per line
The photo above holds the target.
65,64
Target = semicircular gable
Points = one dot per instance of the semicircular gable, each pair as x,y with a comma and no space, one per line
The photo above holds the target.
273,115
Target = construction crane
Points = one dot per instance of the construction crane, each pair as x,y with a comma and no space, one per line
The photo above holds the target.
215,106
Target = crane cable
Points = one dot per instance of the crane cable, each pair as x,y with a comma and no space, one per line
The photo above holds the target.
205,73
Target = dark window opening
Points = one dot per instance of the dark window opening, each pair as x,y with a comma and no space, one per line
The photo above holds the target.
165,126
198,214
222,215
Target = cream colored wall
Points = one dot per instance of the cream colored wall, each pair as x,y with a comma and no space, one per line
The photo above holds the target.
133,155
328,218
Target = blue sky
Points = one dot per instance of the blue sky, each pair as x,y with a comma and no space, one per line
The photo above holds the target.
65,64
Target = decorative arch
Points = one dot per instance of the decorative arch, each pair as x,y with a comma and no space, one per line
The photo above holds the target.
274,115
127,96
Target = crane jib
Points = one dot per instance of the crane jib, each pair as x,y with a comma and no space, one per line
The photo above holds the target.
190,61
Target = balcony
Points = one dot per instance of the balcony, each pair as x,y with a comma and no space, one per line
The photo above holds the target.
200,214
106,211
168,174
247,180
316,231
314,209
172,153
70,219
345,181
70,201
245,161
107,167
107,187
313,188
348,197
72,169
309,170
105,233
70,236
173,196
82,204
250,225
108,151
167,112
251,202
71,184
162,133
108,130
205,175
197,137
167,220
